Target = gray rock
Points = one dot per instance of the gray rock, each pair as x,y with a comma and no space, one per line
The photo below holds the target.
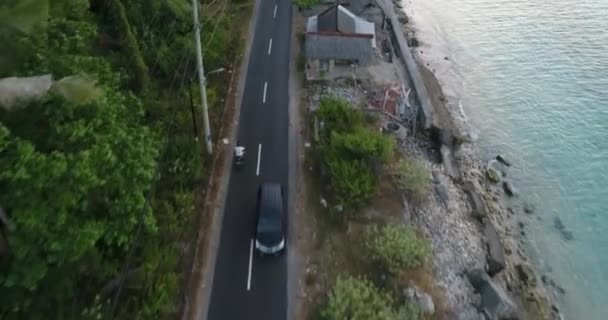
445,137
477,205
526,275
436,178
421,298
502,160
495,251
449,163
475,277
509,189
493,175
559,225
442,194
529,208
495,302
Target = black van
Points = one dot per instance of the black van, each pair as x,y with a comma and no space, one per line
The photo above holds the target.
270,236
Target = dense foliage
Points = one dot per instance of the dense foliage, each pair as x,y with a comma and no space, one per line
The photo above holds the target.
350,152
358,299
396,247
99,181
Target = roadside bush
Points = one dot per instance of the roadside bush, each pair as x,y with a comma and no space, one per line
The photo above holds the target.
348,150
396,247
363,144
357,299
338,116
353,182
413,179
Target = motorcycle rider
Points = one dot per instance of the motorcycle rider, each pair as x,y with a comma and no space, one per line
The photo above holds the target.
239,151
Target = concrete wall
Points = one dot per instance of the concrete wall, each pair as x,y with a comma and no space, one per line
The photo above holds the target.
426,117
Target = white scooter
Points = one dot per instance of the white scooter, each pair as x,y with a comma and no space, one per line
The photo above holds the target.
239,160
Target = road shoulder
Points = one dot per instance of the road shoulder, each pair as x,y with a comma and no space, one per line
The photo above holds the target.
295,158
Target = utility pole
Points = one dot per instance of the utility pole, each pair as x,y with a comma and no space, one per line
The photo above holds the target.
201,76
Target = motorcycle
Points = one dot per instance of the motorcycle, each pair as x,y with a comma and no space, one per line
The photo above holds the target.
239,160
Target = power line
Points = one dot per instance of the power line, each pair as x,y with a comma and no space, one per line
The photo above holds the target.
219,20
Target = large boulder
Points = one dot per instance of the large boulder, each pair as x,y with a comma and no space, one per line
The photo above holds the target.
493,174
495,251
451,169
502,160
477,205
442,194
509,189
559,225
495,302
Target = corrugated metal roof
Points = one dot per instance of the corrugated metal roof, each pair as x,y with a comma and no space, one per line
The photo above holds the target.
321,46
332,35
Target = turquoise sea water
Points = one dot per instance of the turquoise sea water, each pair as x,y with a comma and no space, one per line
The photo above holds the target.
532,78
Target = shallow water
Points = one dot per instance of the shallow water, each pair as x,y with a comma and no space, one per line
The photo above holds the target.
532,78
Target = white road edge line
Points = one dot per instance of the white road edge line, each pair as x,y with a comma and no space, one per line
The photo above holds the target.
257,171
265,88
274,15
250,265
270,46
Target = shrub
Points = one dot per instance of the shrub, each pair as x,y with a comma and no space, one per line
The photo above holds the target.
396,247
357,299
338,115
348,151
353,182
363,144
413,179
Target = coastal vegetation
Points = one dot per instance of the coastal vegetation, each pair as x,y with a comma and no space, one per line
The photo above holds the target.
367,257
396,247
100,171
348,151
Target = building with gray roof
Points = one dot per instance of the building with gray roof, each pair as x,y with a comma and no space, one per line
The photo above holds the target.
337,38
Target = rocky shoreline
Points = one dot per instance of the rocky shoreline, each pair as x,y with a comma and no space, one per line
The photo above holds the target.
478,256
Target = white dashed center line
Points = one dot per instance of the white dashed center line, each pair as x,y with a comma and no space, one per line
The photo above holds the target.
250,265
274,15
270,46
257,171
265,88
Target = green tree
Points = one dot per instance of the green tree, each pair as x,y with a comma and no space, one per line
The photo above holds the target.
396,247
75,184
78,158
358,299
338,116
352,181
362,144
349,150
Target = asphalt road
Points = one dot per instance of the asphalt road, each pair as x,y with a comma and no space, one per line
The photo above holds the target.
246,286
